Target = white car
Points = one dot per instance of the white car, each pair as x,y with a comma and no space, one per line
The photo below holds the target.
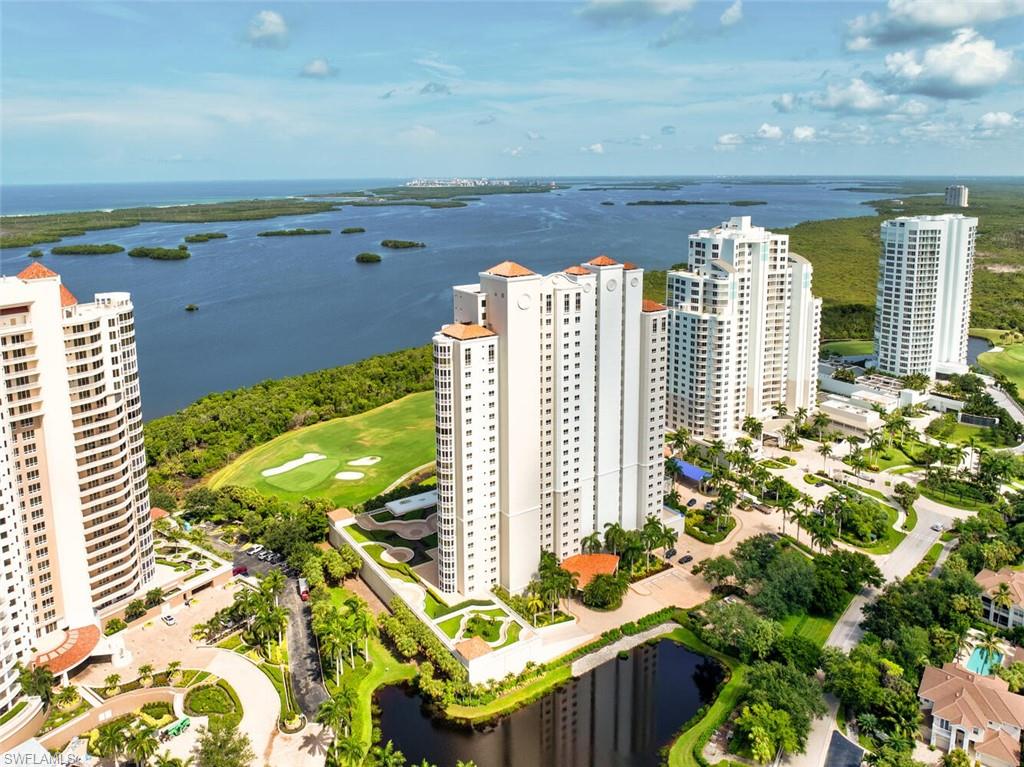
168,619
938,528
256,549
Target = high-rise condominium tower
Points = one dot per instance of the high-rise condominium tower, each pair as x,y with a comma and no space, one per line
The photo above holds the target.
71,403
550,417
744,334
956,196
923,303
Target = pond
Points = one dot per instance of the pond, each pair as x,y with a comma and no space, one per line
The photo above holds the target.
620,714
976,346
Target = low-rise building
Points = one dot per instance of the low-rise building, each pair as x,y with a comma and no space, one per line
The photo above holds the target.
993,608
975,713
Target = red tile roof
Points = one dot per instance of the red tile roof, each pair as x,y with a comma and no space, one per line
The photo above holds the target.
67,298
155,512
466,331
78,645
471,648
603,260
510,269
577,270
653,306
629,266
36,271
339,514
588,566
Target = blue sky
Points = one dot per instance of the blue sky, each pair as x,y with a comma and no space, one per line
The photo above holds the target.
116,91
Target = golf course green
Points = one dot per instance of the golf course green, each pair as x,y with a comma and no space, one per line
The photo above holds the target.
370,450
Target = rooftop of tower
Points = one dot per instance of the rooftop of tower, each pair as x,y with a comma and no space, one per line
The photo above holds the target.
466,331
510,269
37,271
603,260
577,270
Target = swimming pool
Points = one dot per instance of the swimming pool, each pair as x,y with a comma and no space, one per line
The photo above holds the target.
981,663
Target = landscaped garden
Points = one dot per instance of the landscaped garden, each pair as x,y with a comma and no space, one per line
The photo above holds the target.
346,460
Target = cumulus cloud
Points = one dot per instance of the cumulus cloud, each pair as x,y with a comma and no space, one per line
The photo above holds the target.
485,120
733,14
267,29
994,124
435,88
593,149
512,151
787,102
770,132
533,136
905,20
804,133
856,97
727,142
617,11
966,66
668,130
318,68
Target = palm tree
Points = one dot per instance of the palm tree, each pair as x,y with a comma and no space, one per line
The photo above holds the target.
800,416
38,681
819,422
172,669
350,751
142,745
723,504
651,534
753,427
781,410
989,645
821,536
534,604
112,681
365,626
66,697
388,756
332,642
669,536
875,442
591,544
787,507
271,585
110,742
1003,597
825,451
614,537
146,671
335,713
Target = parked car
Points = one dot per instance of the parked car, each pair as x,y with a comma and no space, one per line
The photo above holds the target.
670,553
938,527
255,549
692,502
240,570
168,619
685,559
303,590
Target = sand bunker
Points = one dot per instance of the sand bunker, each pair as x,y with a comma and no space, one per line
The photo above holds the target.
294,464
349,475
397,554
369,460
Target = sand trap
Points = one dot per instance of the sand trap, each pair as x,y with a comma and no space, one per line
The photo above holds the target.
293,464
397,554
349,475
369,460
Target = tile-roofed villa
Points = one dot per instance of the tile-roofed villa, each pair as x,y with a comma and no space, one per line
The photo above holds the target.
972,712
510,269
36,271
466,331
603,260
989,580
586,567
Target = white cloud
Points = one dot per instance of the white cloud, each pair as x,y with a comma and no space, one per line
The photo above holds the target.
512,151
318,68
857,97
993,124
593,149
268,30
785,103
418,135
905,20
435,64
733,14
533,136
804,133
770,132
913,108
966,66
727,142
604,11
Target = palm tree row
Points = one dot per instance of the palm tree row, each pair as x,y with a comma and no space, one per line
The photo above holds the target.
342,629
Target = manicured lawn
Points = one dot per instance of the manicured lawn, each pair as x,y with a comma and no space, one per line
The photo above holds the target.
401,433
896,455
963,432
911,521
848,348
450,626
998,337
889,542
811,627
951,499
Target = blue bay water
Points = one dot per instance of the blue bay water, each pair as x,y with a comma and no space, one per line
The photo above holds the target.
277,306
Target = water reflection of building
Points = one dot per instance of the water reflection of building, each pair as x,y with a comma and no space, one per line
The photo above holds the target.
603,717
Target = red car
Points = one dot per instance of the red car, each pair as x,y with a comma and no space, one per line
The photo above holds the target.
240,570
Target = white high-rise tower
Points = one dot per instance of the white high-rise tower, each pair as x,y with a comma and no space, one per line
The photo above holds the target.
745,329
550,417
923,302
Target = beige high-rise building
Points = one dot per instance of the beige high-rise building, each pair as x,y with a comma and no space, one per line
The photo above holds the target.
71,404
550,396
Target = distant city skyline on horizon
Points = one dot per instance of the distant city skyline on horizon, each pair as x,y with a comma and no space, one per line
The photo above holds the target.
243,91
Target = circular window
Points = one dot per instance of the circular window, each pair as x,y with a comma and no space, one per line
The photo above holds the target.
524,301
611,285
635,282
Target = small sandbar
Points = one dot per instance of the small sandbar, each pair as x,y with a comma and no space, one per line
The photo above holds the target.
294,464
349,475
369,460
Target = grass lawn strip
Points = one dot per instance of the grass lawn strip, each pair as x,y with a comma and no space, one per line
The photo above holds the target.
848,348
506,703
400,432
951,499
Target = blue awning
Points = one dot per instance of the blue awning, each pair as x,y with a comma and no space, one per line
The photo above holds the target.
690,471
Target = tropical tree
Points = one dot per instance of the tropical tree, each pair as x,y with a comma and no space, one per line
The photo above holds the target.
221,745
112,681
142,745
388,756
820,422
787,506
723,504
110,742
38,681
66,697
825,451
753,427
1002,597
989,645
591,544
350,751
781,410
534,603
335,714
173,669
